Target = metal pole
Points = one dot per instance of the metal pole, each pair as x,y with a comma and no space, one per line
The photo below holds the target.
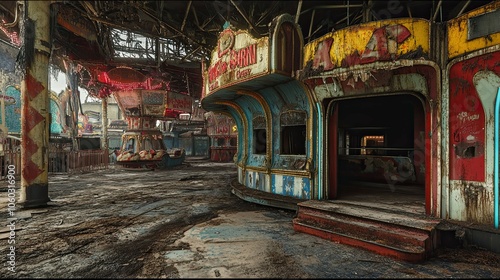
104,123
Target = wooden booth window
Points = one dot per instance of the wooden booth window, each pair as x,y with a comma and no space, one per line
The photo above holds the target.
293,133
259,135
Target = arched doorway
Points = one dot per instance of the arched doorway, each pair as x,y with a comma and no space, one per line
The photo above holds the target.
377,151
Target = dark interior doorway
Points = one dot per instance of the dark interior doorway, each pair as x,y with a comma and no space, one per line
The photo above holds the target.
379,157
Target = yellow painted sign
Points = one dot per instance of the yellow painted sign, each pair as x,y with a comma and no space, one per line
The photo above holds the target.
365,43
238,57
475,30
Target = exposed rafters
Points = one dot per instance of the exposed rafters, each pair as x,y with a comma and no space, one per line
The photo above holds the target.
182,34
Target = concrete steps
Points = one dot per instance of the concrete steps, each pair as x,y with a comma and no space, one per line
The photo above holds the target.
402,236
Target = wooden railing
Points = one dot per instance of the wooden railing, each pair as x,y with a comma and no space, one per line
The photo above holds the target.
59,161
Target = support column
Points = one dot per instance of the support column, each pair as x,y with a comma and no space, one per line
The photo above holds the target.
104,123
35,109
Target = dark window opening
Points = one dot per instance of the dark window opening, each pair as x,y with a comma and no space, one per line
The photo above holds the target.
259,141
233,142
293,132
220,142
293,140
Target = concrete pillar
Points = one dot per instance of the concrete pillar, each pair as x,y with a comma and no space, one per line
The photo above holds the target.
35,108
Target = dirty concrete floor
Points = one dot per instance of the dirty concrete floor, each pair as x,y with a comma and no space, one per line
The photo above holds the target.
186,223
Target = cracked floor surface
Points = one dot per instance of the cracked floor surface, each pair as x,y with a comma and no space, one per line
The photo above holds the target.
186,223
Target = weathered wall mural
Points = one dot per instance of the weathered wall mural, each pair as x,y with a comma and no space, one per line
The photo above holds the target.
366,43
12,99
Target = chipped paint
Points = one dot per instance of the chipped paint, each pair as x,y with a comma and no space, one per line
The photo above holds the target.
369,42
471,201
458,30
257,180
238,57
467,119
291,186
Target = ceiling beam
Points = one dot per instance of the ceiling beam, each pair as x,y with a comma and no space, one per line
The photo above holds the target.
252,27
185,15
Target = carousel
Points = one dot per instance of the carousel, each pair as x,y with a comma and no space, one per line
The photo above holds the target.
142,142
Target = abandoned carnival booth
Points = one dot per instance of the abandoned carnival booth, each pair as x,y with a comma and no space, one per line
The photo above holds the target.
223,134
407,106
252,80
389,118
399,112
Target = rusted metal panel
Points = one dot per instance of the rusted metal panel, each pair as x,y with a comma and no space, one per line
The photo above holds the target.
329,87
76,23
461,34
238,57
328,90
483,25
385,40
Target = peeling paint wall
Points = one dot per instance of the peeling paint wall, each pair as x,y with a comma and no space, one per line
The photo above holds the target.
8,76
13,111
473,81
461,38
291,186
466,122
384,40
471,122
471,202
257,180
